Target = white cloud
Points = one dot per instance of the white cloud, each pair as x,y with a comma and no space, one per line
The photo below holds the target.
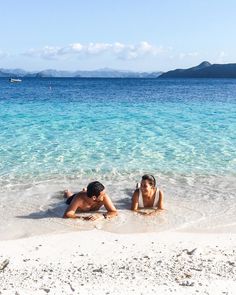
77,47
117,49
73,48
97,48
183,55
145,47
141,49
48,52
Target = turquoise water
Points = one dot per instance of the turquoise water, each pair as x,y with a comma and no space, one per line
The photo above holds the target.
118,126
59,131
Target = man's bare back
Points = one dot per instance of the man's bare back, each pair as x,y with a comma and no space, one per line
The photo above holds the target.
89,200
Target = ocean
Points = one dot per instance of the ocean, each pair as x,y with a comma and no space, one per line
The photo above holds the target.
61,133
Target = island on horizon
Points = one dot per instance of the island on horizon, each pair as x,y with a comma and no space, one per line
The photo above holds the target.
203,70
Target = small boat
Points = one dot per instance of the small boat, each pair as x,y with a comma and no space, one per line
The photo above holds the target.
15,80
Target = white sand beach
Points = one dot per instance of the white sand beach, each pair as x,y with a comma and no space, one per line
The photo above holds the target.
98,262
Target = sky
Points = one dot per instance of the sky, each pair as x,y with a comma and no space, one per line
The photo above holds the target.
136,35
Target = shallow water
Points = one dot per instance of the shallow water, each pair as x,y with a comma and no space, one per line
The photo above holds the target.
60,133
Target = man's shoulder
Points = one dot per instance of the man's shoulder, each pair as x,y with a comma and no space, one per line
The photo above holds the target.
80,196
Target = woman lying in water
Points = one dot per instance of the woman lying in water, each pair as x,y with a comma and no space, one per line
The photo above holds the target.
147,196
89,200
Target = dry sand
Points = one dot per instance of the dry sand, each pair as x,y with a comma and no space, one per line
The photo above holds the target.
98,262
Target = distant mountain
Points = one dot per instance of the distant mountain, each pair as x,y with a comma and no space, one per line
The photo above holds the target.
101,73
204,70
8,73
111,73
53,74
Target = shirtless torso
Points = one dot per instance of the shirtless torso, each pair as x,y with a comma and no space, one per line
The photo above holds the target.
80,202
83,203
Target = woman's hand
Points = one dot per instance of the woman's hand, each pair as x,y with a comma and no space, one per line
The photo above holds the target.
143,213
147,213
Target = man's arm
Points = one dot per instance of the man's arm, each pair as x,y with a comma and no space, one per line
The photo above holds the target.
111,209
71,209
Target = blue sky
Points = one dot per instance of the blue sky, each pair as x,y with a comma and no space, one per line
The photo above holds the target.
136,35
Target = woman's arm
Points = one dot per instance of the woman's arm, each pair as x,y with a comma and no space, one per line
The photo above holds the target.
160,205
134,204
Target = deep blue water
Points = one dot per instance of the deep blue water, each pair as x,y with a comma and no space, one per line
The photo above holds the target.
68,127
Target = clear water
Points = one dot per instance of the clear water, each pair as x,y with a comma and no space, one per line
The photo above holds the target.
57,133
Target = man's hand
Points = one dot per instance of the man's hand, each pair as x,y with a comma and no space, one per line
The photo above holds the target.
93,217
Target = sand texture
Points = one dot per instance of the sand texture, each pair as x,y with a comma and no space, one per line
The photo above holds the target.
97,262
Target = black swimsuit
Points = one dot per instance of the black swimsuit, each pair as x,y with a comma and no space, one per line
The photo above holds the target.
69,200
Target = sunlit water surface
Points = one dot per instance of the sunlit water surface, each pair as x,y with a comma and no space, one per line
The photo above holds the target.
64,133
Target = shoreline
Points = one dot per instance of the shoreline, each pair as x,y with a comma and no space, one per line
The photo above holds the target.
99,262
189,209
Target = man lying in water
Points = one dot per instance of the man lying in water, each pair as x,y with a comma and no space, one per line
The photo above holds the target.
89,200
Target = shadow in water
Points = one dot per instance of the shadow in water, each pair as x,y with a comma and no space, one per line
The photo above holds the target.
57,208
124,203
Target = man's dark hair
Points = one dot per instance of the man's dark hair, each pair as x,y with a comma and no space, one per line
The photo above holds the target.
94,189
